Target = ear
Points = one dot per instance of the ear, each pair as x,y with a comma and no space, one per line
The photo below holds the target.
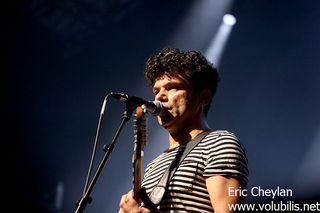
205,97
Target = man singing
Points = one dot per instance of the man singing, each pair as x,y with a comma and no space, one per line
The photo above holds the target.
185,82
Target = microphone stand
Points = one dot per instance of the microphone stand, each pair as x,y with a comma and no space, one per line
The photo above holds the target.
108,148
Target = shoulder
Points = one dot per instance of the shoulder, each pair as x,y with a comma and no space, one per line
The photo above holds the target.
223,144
221,136
225,155
219,133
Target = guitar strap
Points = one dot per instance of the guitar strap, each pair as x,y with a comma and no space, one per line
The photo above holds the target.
158,191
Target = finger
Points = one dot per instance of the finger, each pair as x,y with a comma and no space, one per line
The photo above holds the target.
130,192
123,200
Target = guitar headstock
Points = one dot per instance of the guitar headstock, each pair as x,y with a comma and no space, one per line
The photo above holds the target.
140,126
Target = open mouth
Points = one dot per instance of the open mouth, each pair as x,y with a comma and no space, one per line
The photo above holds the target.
165,118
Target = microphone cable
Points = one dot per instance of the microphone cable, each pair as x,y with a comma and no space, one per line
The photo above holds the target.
95,143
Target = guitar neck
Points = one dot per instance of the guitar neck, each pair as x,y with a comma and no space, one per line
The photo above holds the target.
139,143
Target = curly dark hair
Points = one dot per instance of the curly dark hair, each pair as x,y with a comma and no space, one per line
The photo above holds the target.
191,65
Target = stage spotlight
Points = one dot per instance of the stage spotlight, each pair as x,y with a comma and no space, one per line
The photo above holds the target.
229,19
218,43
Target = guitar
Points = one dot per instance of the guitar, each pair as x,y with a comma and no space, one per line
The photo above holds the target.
140,140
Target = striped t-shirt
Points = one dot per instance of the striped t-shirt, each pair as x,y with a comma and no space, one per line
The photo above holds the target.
219,153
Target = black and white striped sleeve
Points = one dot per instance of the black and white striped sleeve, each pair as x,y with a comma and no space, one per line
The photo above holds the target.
225,156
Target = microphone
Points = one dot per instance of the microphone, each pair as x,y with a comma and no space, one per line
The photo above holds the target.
154,107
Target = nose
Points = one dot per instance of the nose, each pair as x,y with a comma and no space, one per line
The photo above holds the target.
161,96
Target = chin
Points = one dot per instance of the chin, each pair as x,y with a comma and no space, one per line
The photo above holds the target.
169,126
165,124
168,122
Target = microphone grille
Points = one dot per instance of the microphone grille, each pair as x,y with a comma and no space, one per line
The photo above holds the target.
159,108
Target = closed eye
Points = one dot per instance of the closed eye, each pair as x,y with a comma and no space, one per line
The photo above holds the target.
155,91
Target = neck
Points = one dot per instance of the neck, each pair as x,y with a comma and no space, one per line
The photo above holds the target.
185,135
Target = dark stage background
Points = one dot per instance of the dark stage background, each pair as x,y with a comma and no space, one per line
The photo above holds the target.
62,57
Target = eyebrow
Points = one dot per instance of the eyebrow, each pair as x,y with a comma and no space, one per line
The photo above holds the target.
177,85
166,85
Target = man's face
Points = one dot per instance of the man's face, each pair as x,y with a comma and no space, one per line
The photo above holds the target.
182,106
